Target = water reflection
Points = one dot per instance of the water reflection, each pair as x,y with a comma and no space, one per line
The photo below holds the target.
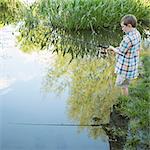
92,92
22,101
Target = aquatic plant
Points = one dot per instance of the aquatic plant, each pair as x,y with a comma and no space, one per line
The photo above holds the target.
92,15
10,11
78,27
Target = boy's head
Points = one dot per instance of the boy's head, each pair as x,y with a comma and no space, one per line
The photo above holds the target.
128,22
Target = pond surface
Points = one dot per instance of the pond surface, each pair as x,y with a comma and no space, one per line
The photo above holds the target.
26,112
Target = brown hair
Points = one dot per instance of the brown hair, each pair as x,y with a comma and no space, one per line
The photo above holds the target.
129,19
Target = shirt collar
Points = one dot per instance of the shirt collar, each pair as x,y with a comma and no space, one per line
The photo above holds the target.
130,32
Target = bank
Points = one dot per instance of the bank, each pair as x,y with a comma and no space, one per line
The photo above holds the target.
136,108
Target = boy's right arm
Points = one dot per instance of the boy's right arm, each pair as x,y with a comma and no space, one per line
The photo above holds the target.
123,48
112,48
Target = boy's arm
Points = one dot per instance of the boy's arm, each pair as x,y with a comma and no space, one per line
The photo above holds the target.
123,48
112,48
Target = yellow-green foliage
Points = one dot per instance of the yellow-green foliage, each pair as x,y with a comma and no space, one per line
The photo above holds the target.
35,39
92,89
10,11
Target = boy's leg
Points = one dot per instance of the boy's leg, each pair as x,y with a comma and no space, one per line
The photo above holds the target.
122,82
125,91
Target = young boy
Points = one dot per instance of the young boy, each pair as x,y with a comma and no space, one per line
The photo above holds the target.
127,54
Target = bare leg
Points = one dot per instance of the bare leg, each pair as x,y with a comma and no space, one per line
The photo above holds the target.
125,91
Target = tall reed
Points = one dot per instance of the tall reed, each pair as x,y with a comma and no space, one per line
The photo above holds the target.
92,14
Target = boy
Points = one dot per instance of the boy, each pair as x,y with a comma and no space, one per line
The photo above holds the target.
127,54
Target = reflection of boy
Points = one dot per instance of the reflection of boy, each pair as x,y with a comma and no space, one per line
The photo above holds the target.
127,53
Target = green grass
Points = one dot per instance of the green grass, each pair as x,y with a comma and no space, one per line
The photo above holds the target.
137,108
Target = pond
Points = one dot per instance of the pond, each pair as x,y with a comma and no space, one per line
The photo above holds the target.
32,118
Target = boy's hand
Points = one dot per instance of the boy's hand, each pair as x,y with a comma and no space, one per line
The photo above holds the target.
111,48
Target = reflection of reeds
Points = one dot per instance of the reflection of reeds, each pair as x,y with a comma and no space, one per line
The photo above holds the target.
146,41
92,92
11,11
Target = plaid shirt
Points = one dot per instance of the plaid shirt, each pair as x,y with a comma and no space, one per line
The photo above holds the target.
128,55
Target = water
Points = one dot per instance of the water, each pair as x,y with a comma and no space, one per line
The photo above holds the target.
22,100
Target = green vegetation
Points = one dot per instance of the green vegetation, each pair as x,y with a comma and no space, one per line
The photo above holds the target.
34,38
65,24
92,15
10,11
137,108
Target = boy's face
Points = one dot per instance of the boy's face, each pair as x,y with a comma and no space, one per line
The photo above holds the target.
126,28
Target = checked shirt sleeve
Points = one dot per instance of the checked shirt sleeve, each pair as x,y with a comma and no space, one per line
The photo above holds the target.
124,46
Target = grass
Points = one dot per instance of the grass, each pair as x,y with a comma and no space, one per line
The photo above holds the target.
137,107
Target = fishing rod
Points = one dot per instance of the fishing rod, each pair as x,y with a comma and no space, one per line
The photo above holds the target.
101,49
82,41
58,124
88,43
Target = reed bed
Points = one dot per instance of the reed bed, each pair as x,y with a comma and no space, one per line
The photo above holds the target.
93,14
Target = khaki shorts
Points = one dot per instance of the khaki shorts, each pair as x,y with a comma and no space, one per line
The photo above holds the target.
121,81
